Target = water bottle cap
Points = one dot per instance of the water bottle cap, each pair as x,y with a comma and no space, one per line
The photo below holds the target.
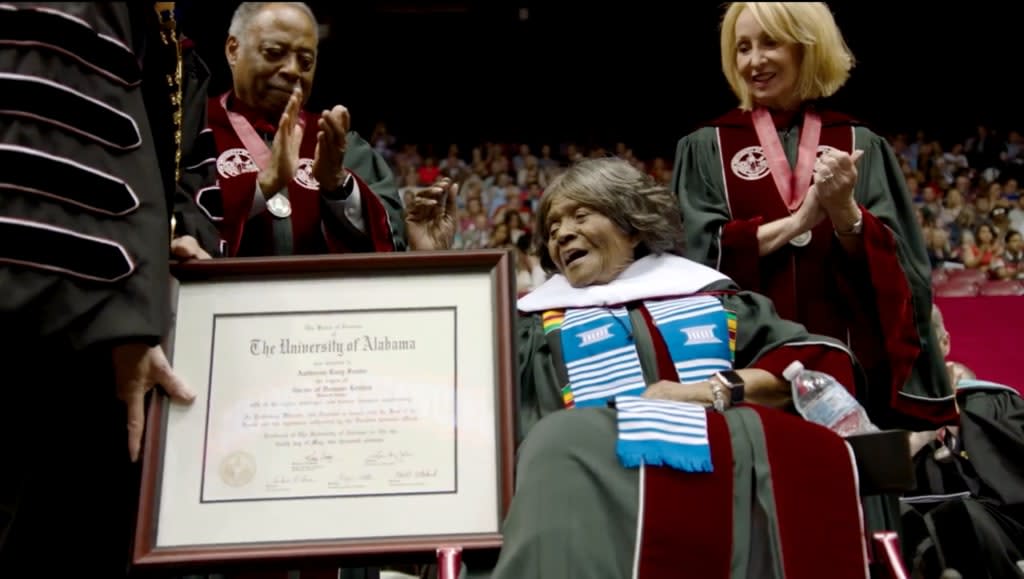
794,368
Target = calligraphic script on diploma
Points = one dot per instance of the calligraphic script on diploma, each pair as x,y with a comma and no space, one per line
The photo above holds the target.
331,404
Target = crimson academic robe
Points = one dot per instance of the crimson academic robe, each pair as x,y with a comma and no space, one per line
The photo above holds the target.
879,304
319,222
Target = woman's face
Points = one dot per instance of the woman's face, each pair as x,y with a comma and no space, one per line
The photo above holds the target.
500,233
1015,243
769,67
585,246
985,235
953,198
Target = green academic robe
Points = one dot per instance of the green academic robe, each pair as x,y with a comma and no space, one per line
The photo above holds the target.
879,305
576,509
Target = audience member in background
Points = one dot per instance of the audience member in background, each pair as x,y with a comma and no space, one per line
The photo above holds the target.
499,237
1000,218
940,251
981,248
529,273
514,223
1010,264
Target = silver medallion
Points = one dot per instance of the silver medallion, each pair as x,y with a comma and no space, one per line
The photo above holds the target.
801,240
279,206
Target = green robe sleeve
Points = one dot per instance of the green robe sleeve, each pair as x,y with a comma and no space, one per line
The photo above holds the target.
882,189
363,160
539,382
919,383
766,341
697,181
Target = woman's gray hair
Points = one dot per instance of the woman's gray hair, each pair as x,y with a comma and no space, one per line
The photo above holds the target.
630,198
247,10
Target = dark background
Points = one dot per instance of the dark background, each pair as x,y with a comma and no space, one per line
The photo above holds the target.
640,72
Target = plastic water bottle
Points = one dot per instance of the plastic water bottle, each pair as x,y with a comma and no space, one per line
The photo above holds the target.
819,398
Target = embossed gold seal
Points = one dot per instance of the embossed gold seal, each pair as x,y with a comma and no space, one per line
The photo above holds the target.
238,468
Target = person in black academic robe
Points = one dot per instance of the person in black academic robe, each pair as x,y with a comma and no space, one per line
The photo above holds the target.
967,512
88,141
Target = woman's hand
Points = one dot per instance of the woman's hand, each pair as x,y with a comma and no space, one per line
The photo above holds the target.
696,392
771,236
835,177
760,387
810,213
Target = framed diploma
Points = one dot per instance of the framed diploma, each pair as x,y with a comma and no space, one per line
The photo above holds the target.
351,406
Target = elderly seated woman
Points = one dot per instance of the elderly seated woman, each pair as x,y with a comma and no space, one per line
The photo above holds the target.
644,453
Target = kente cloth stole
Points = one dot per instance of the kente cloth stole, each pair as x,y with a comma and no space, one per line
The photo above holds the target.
602,365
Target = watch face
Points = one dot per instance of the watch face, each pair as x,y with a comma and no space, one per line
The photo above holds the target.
734,382
731,377
737,393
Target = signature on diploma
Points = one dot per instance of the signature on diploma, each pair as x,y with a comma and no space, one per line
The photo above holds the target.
288,480
318,457
357,478
387,457
419,473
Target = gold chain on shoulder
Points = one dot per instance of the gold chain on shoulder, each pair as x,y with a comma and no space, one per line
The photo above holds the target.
170,37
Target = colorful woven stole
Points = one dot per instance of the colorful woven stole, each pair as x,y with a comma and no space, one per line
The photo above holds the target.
602,364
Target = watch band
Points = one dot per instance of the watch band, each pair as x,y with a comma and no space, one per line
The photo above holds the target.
718,395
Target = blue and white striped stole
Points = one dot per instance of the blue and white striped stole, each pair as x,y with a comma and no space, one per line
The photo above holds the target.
602,364
599,355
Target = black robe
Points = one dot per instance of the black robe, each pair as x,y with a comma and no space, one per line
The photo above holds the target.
87,186
979,531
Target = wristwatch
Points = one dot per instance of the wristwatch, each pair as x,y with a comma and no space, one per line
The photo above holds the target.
733,383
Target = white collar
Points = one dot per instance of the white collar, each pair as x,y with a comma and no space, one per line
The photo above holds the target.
652,276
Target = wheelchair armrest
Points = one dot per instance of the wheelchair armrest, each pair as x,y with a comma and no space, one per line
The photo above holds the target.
884,464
